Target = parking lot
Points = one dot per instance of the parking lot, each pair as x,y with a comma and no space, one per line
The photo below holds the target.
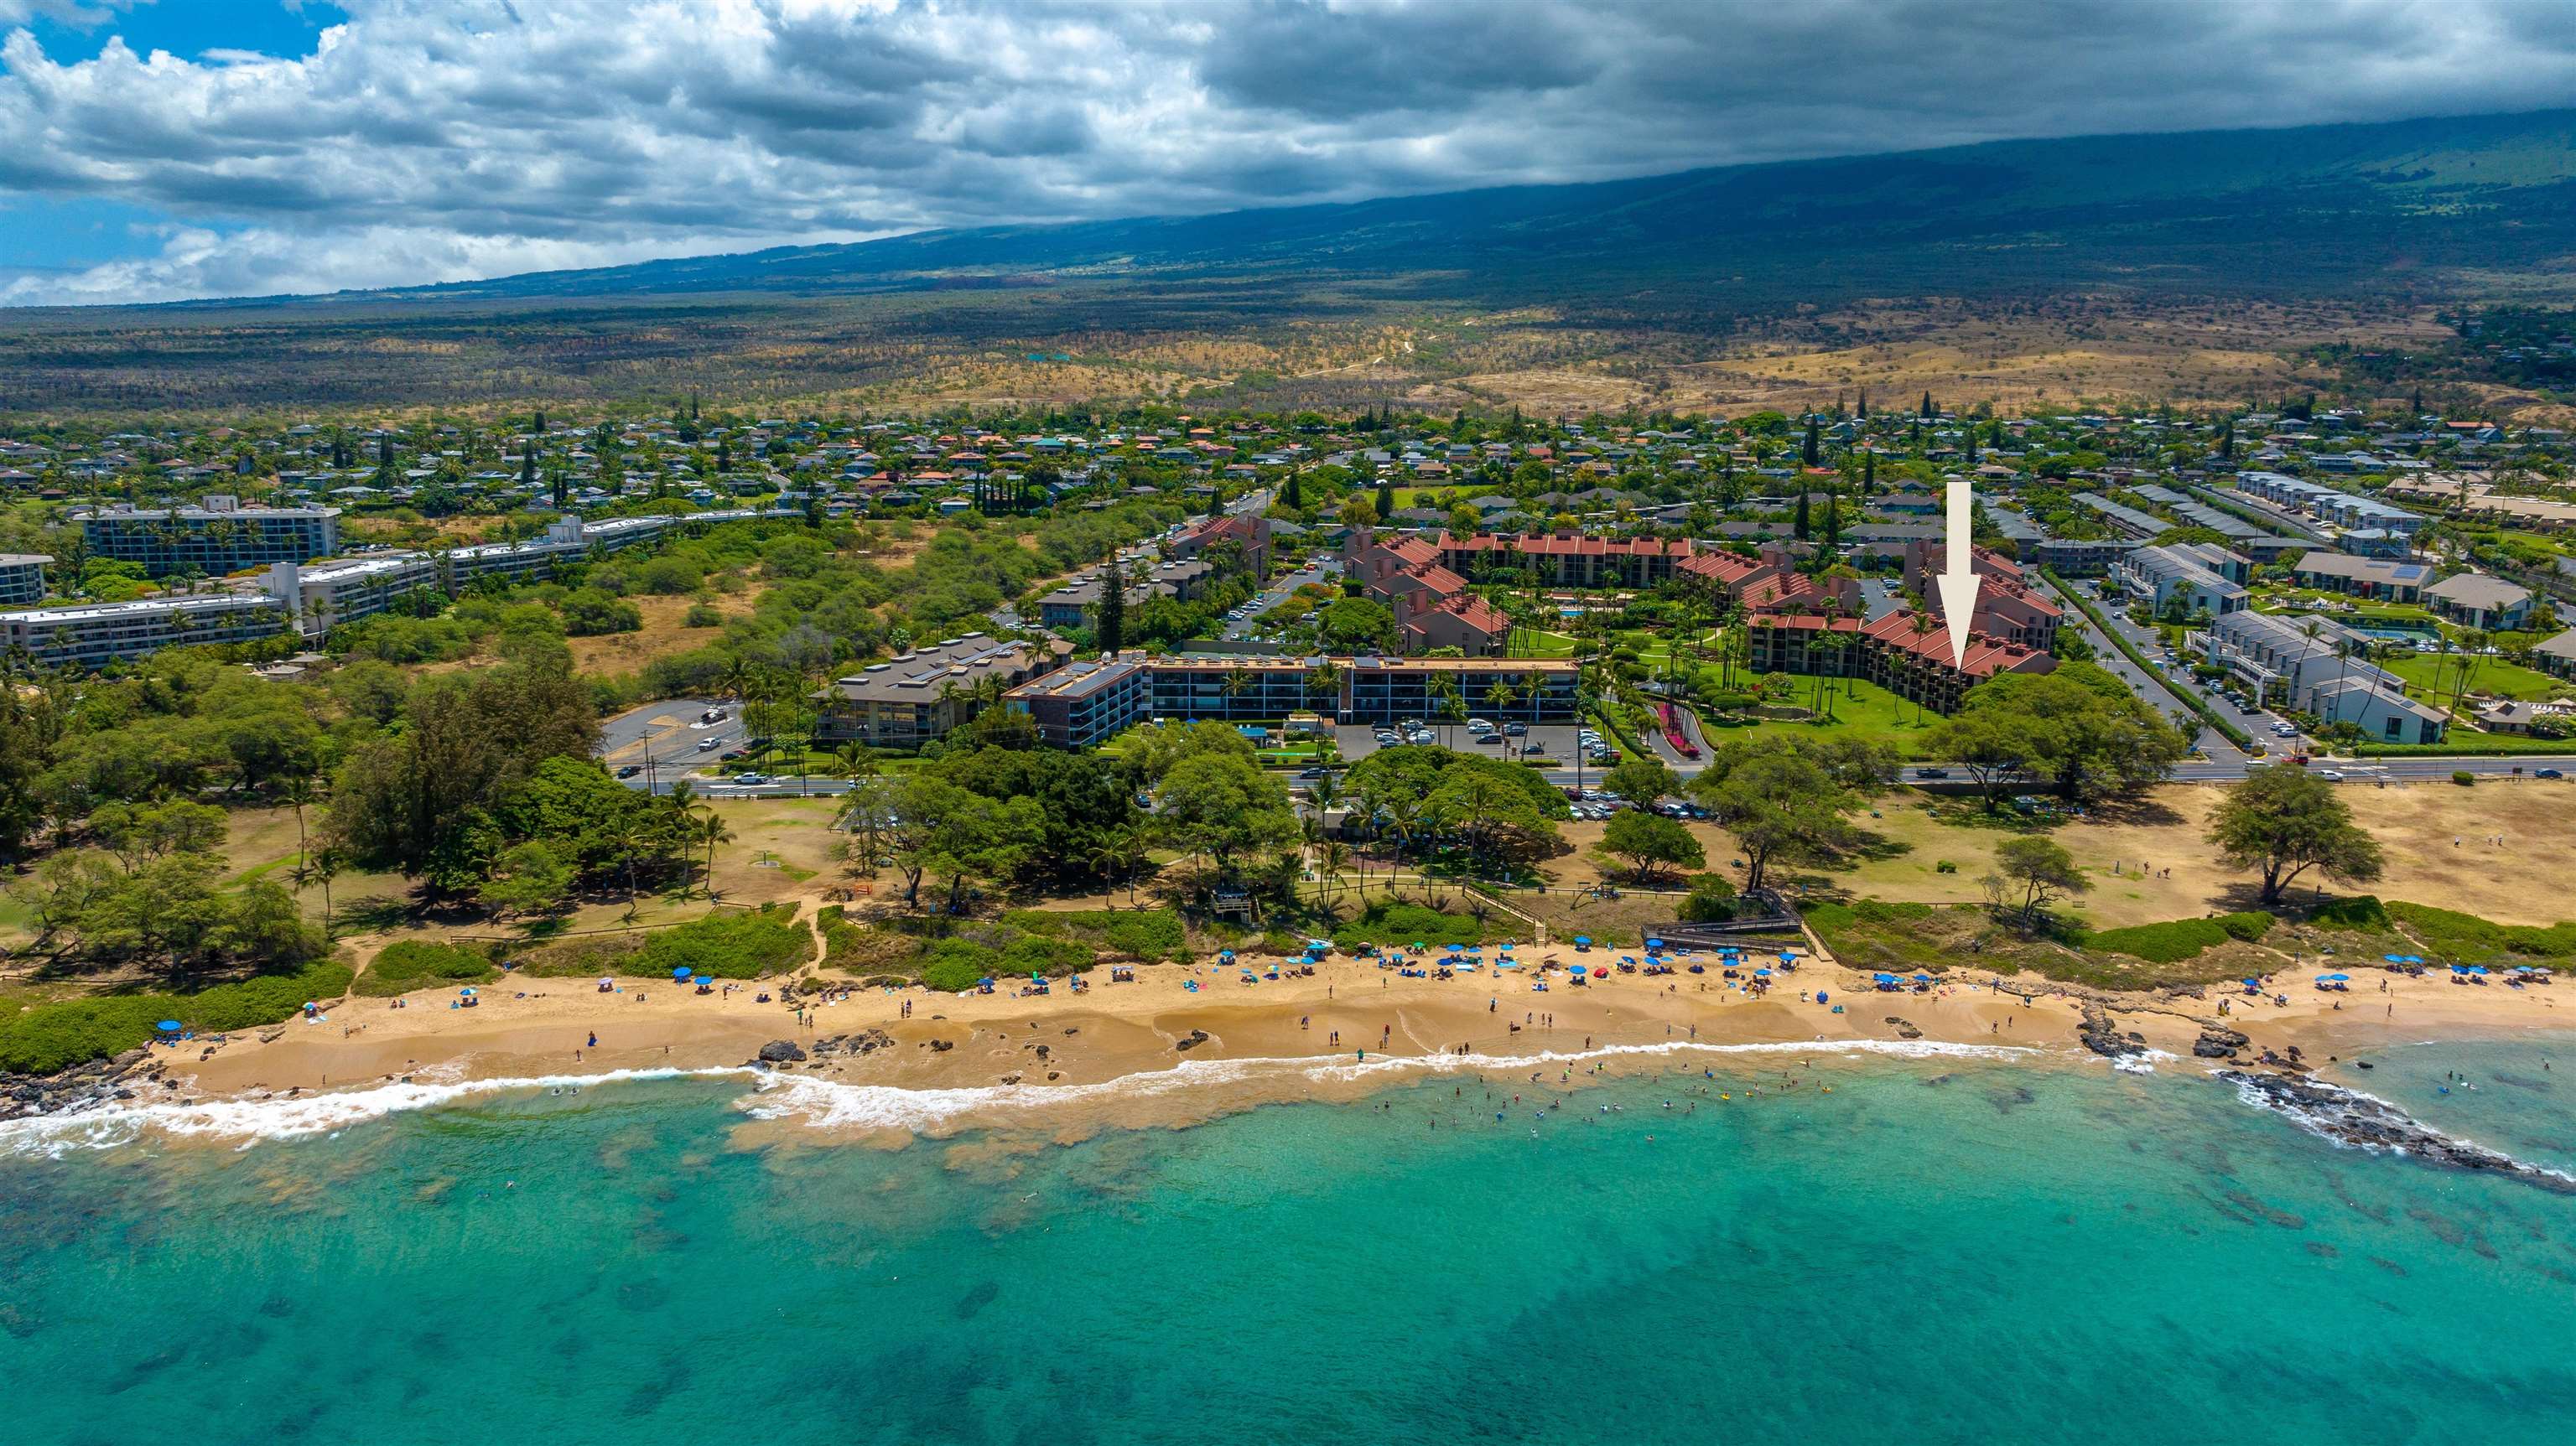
1553,741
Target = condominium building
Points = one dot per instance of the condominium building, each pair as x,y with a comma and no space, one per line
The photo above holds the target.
1086,703
921,695
219,536
22,577
2196,577
97,634
2332,504
2381,578
1907,655
2319,667
1566,559
2476,600
327,594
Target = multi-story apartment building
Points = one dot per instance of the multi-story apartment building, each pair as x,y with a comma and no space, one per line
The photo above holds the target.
22,577
2381,578
1085,704
1566,559
2009,609
219,536
102,633
2195,576
920,696
1907,654
325,595
2319,667
1089,702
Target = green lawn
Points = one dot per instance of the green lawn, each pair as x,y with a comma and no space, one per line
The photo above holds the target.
2430,674
1869,711
2365,614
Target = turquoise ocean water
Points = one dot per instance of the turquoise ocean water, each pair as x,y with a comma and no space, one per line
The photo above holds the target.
1936,1251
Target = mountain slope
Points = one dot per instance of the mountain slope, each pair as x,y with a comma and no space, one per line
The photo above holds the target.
2324,207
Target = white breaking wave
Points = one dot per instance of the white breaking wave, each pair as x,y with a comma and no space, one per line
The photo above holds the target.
831,1103
282,1118
835,1104
2143,1063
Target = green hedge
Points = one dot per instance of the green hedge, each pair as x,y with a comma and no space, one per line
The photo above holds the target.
2364,914
730,945
53,1037
2468,748
1385,922
954,964
2455,937
1149,934
2176,940
411,964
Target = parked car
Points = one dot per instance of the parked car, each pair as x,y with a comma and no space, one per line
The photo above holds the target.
1516,729
1535,745
2547,773
630,770
1931,773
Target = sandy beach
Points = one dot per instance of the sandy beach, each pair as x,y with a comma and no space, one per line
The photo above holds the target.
1156,1052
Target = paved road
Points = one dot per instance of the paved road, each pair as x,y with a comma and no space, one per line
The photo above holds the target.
1277,593
2159,688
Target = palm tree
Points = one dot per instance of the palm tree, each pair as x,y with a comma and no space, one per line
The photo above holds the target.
711,828
625,838
1324,680
1105,853
298,792
324,868
1238,681
1135,847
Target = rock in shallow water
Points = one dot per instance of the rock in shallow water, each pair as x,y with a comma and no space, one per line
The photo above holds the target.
2352,1118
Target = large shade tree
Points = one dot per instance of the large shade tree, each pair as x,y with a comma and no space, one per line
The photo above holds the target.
2281,822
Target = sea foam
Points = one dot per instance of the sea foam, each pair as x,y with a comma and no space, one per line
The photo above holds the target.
827,1103
835,1104
283,1118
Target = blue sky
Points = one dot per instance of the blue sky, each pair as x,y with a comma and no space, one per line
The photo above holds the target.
156,150
63,234
190,27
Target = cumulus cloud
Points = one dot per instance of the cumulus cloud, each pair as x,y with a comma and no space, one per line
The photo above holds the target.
447,139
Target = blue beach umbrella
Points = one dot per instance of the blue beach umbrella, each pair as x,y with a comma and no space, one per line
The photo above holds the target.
1654,943
2332,978
2252,983
468,993
2394,958
682,972
2477,968
1582,938
1762,973
2459,968
1883,978
1580,969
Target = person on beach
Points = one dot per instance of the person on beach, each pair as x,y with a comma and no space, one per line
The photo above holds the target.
594,1040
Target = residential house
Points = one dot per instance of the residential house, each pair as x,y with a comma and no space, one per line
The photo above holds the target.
2474,599
2378,578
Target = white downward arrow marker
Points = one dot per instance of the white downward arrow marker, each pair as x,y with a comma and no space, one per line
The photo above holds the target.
1959,583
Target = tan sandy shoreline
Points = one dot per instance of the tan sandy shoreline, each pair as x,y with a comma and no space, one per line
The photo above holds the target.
1111,1056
